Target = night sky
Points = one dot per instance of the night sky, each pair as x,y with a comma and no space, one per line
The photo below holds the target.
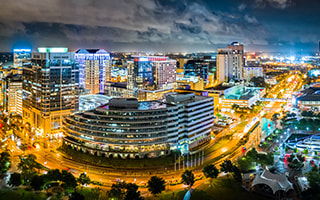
161,25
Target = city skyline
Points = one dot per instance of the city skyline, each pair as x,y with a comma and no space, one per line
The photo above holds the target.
162,26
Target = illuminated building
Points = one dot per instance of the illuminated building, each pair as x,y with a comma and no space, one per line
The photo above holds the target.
250,72
197,68
152,73
91,101
236,94
18,102
128,128
50,89
94,69
10,86
21,57
308,99
230,63
148,78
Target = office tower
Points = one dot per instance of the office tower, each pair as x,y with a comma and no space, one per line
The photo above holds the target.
94,69
50,89
250,72
18,101
197,68
21,57
230,63
152,73
10,86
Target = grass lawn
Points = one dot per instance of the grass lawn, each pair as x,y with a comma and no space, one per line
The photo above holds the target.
20,194
172,195
223,189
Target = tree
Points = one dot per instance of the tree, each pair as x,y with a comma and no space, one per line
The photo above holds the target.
27,166
258,81
226,166
37,182
188,178
117,191
241,117
124,191
235,107
69,181
54,175
156,185
210,171
295,161
313,178
306,151
84,179
237,174
76,196
4,162
132,192
15,180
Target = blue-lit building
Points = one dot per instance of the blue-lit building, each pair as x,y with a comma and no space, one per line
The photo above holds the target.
152,73
197,68
21,57
94,69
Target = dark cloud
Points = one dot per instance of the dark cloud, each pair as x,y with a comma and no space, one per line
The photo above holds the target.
158,25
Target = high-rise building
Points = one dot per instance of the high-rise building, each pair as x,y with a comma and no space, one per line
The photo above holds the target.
152,73
94,69
21,57
10,86
250,72
197,68
230,63
50,89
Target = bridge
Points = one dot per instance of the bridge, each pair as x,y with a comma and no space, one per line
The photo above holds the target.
276,100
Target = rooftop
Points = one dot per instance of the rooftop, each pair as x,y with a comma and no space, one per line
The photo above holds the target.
142,105
220,87
310,94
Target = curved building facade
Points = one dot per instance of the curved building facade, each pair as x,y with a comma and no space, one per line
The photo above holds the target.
128,128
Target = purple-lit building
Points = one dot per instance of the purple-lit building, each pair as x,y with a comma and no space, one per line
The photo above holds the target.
94,69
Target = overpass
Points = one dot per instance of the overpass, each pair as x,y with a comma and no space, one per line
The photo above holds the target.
276,100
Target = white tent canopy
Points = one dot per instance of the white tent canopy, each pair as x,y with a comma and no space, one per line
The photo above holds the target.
276,182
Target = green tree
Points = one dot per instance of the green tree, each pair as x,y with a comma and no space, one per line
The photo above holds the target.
69,181
76,196
28,166
306,151
37,182
210,171
132,192
54,175
124,191
237,174
226,166
188,178
15,180
313,178
4,162
117,191
156,185
84,179
295,161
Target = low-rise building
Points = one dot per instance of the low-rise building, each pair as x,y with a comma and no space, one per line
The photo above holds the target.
129,128
309,98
